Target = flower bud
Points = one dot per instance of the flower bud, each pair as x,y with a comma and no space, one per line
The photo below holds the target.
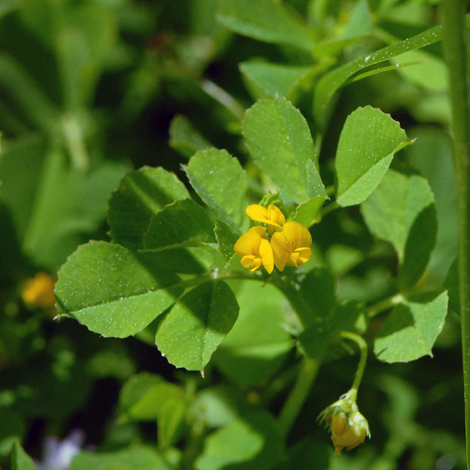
348,426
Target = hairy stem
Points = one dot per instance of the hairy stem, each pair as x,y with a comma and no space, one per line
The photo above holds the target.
456,55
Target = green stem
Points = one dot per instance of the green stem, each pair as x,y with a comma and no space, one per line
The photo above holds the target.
294,403
359,340
385,304
456,55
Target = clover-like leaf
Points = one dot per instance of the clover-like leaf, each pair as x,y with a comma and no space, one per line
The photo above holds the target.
402,211
197,324
368,142
411,329
220,181
112,290
140,196
279,140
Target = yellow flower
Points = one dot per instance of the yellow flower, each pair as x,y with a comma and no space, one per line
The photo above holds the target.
39,291
291,246
272,216
255,250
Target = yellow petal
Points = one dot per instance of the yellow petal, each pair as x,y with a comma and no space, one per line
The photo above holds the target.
300,256
297,235
276,216
249,242
257,212
280,250
251,262
267,257
271,216
350,439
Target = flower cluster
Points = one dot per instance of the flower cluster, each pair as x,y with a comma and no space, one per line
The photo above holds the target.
278,244
348,427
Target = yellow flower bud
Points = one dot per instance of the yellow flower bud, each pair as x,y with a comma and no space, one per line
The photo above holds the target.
345,434
348,426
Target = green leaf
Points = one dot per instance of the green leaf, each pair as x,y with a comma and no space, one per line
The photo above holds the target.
180,223
197,324
314,340
220,182
177,260
26,100
20,460
402,212
226,239
135,457
112,291
427,70
146,397
141,195
332,81
411,329
366,147
351,315
42,190
184,138
220,404
279,140
308,213
267,80
13,428
257,345
133,399
264,20
250,443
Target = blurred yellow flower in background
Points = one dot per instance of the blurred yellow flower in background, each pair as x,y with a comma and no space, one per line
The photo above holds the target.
39,291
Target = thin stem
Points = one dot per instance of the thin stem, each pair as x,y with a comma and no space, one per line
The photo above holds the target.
298,395
330,207
456,55
359,340
385,304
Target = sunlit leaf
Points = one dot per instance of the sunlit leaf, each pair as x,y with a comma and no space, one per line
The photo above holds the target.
411,329
366,147
112,291
279,140
220,181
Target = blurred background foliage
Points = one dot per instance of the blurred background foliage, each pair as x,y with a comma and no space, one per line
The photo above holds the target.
90,89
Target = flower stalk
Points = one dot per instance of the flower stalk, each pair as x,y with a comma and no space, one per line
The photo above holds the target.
348,426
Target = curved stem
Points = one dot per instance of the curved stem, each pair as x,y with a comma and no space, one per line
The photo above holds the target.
359,340
298,395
